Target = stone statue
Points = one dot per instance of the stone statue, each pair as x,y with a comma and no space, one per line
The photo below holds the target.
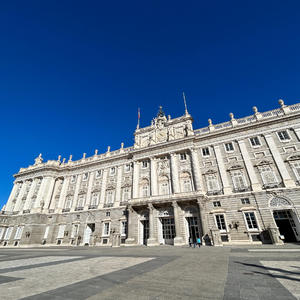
38,160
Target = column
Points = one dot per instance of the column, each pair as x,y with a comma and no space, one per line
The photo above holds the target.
196,170
255,184
27,204
174,173
226,186
153,176
178,240
118,185
135,181
202,210
152,241
21,194
48,191
63,194
89,190
77,187
11,197
287,180
103,188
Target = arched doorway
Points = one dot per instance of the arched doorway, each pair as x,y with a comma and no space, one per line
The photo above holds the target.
286,219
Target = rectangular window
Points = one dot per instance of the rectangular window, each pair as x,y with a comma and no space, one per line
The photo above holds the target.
46,232
220,220
106,229
238,180
127,168
112,171
182,156
2,229
145,190
205,151
107,214
245,201
61,231
85,176
268,176
283,135
73,179
255,142
229,147
80,202
8,233
145,164
217,203
212,183
164,188
109,197
123,228
98,173
296,168
74,232
251,220
95,199
19,232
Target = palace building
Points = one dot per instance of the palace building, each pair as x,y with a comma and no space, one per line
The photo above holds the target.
237,182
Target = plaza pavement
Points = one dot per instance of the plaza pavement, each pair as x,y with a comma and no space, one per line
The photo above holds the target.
164,272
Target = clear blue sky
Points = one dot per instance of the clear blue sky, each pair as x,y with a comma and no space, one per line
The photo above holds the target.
73,73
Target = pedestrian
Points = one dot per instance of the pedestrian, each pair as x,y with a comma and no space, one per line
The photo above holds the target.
199,242
190,242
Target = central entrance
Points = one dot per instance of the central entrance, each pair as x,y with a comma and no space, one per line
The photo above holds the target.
168,230
286,225
194,231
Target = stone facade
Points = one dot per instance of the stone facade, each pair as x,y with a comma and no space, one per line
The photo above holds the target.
231,183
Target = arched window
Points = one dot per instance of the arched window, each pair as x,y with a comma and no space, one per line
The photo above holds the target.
186,182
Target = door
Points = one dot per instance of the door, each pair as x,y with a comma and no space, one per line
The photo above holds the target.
145,231
285,229
194,232
87,235
168,230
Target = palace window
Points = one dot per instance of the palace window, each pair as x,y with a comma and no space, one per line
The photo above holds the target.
80,202
251,220
61,230
217,204
73,179
107,214
46,232
245,201
212,183
164,188
145,164
220,220
95,199
68,203
186,183
109,196
238,180
112,171
106,229
182,156
229,147
32,203
8,233
19,232
123,228
145,191
205,151
126,194
74,232
267,174
127,168
283,135
296,168
85,176
255,142
98,173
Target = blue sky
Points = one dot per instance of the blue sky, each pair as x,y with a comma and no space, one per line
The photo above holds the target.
73,73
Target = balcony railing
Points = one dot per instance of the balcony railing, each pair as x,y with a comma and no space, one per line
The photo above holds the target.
78,208
108,205
214,193
123,203
26,211
272,185
66,210
241,189
93,206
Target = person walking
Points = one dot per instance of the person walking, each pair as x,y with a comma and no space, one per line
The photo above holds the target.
199,242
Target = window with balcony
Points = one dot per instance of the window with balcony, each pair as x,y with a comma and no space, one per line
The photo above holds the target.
95,199
239,181
109,196
212,183
68,202
268,176
144,188
80,202
126,194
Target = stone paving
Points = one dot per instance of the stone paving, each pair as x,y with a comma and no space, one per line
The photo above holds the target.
151,273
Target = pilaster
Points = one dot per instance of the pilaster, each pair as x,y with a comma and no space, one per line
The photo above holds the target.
226,186
11,197
19,199
153,176
77,187
152,241
89,190
174,173
297,132
135,183
103,188
131,236
196,170
287,180
63,194
118,185
27,204
202,210
53,197
178,240
48,191
255,184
